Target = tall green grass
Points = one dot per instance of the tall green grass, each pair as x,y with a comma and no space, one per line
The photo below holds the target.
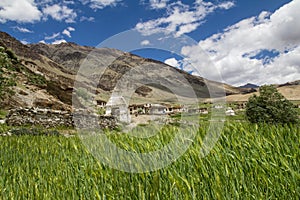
248,162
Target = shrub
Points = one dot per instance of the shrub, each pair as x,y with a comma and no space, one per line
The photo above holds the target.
11,55
83,93
101,111
36,79
6,80
270,107
3,114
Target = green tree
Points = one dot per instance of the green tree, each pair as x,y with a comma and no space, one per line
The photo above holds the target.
270,107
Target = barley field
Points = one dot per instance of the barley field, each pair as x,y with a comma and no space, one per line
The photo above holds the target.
248,162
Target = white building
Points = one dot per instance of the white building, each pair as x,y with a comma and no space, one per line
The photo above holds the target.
229,112
117,107
158,109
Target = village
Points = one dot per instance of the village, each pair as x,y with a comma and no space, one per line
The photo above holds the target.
116,111
117,107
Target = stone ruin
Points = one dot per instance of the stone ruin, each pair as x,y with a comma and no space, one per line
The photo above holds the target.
56,118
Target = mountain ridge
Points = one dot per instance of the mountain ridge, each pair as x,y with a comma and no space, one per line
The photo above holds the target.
59,65
249,85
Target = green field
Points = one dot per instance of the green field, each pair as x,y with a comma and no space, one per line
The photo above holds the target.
248,162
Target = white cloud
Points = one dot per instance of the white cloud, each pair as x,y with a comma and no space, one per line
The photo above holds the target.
53,36
43,42
145,43
60,13
68,2
59,41
58,37
43,2
24,42
23,30
226,5
71,28
89,19
181,18
23,11
158,4
187,28
235,51
172,62
68,31
100,4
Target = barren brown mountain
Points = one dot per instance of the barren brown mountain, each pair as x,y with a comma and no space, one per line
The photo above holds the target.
63,64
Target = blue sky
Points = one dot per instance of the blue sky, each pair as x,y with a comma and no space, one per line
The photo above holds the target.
219,27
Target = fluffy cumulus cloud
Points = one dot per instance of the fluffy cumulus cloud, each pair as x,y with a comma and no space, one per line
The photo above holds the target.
23,11
31,11
173,62
262,49
60,13
180,18
182,64
68,31
100,4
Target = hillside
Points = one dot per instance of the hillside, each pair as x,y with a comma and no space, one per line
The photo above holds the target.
290,90
59,65
21,87
112,64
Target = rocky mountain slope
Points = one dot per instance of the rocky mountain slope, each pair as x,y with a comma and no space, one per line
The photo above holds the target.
58,65
117,63
21,87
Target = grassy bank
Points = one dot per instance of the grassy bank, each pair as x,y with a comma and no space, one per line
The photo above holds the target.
248,162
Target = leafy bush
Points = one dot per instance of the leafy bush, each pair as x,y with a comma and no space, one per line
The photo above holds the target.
270,107
36,79
101,111
3,114
11,55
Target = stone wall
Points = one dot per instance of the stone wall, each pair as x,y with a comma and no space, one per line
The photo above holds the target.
42,117
56,118
85,120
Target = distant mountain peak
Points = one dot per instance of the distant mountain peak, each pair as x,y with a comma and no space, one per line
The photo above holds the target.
249,85
290,83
